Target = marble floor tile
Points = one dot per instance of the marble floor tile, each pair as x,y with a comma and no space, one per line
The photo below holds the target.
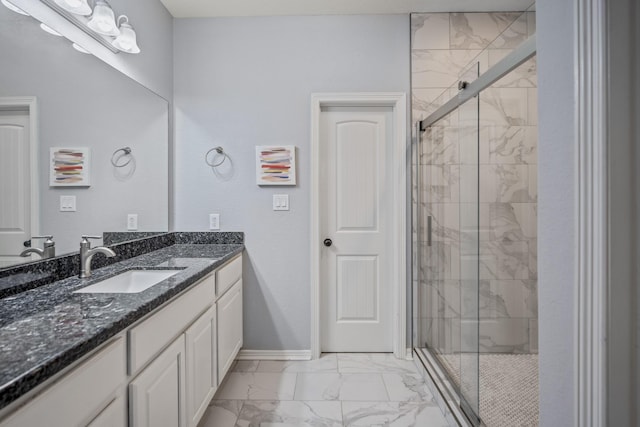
368,387
290,414
407,388
327,363
245,366
257,386
373,362
392,414
221,413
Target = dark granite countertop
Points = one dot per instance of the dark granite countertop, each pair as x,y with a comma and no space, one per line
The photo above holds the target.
45,329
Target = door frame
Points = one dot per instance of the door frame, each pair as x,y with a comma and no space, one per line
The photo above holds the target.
30,105
398,103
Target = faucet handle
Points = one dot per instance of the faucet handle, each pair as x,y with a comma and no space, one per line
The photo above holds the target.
85,237
48,242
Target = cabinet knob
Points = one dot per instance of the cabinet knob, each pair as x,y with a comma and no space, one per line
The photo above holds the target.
327,242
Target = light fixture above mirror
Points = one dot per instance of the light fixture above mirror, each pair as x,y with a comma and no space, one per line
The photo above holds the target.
79,7
126,41
100,23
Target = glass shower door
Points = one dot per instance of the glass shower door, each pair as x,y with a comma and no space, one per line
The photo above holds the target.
448,284
469,250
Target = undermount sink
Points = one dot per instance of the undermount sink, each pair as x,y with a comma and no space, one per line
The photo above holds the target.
129,282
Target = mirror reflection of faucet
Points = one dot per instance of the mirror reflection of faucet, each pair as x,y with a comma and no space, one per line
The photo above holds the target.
48,250
86,254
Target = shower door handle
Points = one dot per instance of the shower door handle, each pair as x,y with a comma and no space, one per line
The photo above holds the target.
429,230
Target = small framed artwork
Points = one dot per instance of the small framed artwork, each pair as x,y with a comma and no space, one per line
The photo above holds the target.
276,165
70,167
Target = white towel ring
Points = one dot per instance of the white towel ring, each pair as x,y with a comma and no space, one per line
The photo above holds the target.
219,152
126,151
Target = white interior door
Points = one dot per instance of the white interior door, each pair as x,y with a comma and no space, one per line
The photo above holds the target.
15,185
355,212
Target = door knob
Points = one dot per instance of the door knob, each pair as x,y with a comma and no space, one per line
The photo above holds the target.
327,242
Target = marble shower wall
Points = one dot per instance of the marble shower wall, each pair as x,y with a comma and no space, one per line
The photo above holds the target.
446,47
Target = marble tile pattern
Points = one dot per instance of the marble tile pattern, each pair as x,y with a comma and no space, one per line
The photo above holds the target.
446,166
46,328
335,390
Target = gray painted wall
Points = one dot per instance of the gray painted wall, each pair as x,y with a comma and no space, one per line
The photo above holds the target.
557,251
242,82
153,66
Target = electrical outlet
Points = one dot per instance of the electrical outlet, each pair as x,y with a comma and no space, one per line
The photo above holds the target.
67,203
132,222
214,221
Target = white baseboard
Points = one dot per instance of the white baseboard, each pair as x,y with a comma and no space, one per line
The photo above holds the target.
274,355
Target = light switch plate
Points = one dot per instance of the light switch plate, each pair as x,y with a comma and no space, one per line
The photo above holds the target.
132,222
214,221
280,202
67,203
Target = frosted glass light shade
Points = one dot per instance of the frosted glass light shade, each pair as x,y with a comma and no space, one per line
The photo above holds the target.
79,7
126,41
13,7
50,30
103,20
79,48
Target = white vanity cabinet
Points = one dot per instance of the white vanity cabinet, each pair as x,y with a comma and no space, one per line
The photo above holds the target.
113,415
229,327
177,356
80,397
157,395
202,373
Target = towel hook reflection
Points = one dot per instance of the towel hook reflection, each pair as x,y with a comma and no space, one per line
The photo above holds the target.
219,152
115,158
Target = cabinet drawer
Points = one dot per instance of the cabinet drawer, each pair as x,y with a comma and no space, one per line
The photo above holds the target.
79,396
152,335
228,275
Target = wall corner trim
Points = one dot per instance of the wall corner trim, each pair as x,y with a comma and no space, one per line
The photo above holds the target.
592,228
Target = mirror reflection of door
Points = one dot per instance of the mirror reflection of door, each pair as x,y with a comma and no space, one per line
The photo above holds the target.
15,186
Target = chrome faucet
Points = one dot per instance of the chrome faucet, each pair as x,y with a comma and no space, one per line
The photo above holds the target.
48,250
86,254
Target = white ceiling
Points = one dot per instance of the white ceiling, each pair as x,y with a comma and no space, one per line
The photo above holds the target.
214,8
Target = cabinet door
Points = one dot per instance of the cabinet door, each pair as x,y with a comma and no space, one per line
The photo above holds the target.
201,365
157,395
229,328
114,415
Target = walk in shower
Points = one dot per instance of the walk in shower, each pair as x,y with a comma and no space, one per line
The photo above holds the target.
475,212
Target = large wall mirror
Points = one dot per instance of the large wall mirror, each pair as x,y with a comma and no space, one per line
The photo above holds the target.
80,102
